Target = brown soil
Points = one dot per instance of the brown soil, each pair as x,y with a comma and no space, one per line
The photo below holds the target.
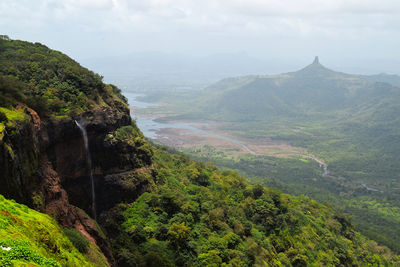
182,138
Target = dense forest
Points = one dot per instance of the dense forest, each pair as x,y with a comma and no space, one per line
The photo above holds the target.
200,215
350,122
155,207
48,81
371,211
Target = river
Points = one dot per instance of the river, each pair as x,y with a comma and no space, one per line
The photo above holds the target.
150,127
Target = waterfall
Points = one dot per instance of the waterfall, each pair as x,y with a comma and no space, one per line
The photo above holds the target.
89,165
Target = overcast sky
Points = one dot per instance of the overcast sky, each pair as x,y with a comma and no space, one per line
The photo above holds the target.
350,35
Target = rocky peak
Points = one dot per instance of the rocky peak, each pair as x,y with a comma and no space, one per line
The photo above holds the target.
315,69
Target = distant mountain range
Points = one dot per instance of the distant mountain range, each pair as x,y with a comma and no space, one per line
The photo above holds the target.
351,122
164,71
312,91
167,71
69,148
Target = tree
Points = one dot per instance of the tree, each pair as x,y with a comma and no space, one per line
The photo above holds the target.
178,233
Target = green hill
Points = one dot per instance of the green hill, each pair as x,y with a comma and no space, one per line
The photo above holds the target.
49,81
349,121
197,215
30,238
313,92
155,207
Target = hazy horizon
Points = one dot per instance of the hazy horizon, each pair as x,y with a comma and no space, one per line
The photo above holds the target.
359,37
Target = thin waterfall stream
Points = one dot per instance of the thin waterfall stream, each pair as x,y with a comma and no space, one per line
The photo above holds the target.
89,166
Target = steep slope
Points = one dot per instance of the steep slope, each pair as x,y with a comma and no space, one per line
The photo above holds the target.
199,216
154,208
30,238
42,153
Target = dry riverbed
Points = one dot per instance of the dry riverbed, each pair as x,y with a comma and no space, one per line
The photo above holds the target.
185,138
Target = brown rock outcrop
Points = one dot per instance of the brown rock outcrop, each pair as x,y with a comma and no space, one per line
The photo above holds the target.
44,166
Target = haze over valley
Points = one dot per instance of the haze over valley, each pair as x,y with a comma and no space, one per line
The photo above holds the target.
333,132
199,133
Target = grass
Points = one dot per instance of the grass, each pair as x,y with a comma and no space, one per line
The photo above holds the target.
35,239
13,115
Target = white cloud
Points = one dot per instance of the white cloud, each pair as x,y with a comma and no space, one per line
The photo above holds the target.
91,4
302,16
255,25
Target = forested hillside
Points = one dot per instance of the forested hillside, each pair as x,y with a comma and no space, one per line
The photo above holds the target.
350,122
48,81
154,207
198,215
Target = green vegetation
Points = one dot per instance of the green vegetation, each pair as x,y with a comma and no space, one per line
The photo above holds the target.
372,212
200,216
11,116
184,213
30,238
77,240
350,122
21,253
50,82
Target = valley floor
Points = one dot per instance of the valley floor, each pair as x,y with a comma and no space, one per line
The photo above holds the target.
280,164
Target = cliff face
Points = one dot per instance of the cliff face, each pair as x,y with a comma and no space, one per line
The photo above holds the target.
43,165
43,160
64,147
191,213
19,157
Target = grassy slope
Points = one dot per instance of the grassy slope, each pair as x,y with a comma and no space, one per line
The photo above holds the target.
35,239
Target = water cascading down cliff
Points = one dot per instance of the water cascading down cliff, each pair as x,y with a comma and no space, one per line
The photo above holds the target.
89,166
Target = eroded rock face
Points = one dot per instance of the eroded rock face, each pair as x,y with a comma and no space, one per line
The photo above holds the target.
123,187
58,206
19,152
46,168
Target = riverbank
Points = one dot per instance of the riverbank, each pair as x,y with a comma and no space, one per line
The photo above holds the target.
192,135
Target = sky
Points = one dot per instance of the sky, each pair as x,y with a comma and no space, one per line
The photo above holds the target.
358,36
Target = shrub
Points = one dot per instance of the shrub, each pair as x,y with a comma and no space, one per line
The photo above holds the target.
77,240
178,233
21,251
137,233
39,104
156,259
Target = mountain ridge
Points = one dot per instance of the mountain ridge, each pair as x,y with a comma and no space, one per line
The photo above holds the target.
349,121
155,206
312,89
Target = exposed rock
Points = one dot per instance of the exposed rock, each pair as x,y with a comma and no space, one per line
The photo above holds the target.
123,187
58,206
19,152
41,159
